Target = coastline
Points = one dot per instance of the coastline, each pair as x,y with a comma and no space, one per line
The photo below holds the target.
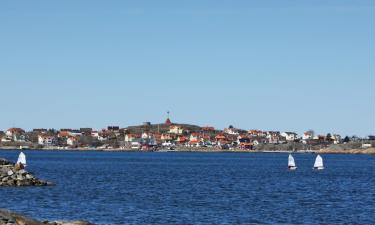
181,150
203,150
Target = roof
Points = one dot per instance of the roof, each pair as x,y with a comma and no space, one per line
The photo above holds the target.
220,137
168,122
15,130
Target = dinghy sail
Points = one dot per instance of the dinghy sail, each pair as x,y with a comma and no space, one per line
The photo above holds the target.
22,159
318,163
291,163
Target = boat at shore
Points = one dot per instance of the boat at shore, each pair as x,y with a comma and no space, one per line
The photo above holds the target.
291,163
318,165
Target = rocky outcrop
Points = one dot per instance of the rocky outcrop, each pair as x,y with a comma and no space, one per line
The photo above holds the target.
10,218
13,177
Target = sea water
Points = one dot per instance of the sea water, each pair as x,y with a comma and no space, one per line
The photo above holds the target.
196,188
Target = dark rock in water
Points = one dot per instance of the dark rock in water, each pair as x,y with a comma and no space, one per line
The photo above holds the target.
14,177
10,218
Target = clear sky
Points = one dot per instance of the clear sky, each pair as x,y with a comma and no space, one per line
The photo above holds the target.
269,64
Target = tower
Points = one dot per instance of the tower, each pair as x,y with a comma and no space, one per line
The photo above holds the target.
168,121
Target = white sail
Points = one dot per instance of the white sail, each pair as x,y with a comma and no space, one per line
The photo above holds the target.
318,162
291,162
22,159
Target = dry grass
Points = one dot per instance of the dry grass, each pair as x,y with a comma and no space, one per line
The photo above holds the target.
351,151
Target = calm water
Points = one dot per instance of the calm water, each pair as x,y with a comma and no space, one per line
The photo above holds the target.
196,188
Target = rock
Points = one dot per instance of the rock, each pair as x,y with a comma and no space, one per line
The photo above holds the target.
12,176
71,223
10,218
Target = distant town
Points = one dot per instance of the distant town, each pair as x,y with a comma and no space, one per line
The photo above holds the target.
173,136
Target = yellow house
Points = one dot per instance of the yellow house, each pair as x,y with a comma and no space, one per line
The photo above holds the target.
175,130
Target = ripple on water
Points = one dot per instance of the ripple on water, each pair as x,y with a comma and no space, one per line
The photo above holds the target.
196,188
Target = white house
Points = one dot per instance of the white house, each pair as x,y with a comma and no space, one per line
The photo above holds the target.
194,137
145,135
47,140
14,131
6,139
72,141
336,138
176,130
289,136
308,135
232,131
95,134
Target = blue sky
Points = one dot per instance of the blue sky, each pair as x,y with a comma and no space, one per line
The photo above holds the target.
270,64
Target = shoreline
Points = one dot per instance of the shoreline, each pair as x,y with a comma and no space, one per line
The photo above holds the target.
178,149
368,151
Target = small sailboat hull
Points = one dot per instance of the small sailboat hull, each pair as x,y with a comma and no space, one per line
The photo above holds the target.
318,168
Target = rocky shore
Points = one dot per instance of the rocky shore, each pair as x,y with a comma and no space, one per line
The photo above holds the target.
10,176
350,151
10,218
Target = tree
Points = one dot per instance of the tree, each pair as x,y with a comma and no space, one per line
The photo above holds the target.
346,139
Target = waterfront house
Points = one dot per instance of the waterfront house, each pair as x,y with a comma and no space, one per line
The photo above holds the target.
95,134
103,136
194,143
194,137
47,140
181,139
308,135
167,137
136,144
16,134
72,141
146,135
220,137
6,139
221,140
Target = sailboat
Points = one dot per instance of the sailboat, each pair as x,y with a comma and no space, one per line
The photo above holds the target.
291,163
318,163
22,159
